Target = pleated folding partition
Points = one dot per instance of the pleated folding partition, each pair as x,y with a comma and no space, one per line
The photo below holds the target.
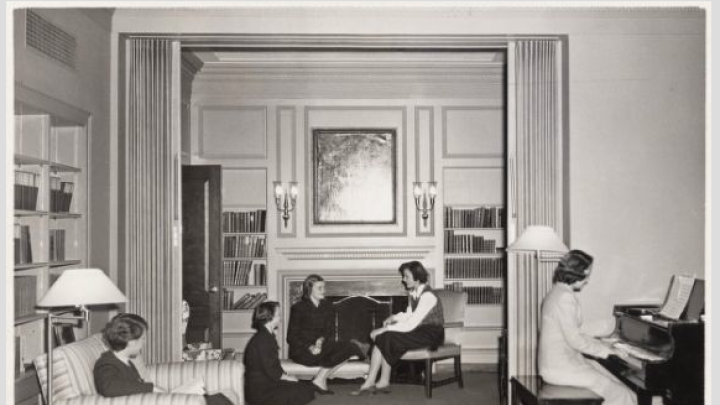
535,189
153,266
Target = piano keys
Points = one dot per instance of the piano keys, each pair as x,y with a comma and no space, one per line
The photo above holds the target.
666,356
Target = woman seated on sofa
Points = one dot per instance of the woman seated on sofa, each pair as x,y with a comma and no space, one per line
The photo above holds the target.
265,381
114,372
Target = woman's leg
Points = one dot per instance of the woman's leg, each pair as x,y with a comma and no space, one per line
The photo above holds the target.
376,361
321,377
385,370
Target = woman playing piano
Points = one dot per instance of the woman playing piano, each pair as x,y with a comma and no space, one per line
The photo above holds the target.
562,344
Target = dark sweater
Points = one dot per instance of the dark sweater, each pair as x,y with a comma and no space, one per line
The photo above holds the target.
113,378
308,323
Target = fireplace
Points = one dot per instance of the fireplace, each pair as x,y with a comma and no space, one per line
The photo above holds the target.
382,285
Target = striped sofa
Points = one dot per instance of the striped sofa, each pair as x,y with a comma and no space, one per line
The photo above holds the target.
73,382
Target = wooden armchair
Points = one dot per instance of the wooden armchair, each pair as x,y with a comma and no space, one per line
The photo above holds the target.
73,382
453,303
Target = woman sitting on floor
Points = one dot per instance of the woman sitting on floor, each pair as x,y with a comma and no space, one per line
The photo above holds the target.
265,381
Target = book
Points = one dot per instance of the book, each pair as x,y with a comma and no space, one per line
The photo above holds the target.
682,288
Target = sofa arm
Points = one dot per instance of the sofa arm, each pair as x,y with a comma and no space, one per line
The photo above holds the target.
137,399
218,375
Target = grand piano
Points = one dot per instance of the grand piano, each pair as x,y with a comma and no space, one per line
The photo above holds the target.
666,356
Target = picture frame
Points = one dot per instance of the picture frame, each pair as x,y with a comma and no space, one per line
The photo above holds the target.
354,176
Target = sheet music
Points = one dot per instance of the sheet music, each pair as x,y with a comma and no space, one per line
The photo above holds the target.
677,297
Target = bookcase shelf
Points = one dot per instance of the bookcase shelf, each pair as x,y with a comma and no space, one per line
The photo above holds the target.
30,213
469,231
50,151
26,266
244,269
63,263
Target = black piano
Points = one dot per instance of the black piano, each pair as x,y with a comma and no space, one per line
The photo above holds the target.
667,357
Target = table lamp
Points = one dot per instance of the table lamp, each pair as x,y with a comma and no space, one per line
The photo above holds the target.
75,288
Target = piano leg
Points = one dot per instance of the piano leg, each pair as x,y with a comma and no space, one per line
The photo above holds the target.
644,398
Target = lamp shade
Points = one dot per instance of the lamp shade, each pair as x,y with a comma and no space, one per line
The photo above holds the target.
79,287
538,238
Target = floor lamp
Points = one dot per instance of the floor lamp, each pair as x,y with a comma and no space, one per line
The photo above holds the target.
529,287
75,288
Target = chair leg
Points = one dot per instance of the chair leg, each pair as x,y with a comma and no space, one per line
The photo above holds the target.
458,371
428,378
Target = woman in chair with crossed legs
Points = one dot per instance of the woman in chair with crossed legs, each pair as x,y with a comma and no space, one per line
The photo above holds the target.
421,325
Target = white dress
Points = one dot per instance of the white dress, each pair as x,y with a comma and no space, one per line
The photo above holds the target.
561,348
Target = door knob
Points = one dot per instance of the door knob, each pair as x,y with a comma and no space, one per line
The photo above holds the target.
214,289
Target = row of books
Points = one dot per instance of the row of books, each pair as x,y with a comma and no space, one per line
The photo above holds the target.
475,267
61,193
22,245
244,246
465,243
25,295
244,221
244,272
26,190
478,295
57,245
481,217
247,301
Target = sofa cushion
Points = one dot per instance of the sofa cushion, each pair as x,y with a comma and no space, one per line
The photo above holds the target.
72,368
350,370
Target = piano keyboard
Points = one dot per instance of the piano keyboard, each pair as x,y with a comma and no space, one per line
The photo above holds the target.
637,352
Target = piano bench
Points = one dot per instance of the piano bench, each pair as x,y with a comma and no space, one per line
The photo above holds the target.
531,390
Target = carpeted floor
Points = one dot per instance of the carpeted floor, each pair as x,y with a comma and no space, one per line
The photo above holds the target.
480,389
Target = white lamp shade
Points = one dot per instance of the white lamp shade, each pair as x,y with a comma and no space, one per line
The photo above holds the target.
79,287
539,238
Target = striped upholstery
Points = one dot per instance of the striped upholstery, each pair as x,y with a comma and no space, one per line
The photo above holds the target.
73,382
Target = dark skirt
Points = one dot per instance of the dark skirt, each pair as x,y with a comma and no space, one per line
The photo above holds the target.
394,345
217,399
332,354
280,393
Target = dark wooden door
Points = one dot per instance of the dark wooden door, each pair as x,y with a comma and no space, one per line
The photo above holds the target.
202,252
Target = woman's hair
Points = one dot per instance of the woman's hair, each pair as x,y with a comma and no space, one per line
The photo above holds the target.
416,269
264,313
308,285
572,267
122,329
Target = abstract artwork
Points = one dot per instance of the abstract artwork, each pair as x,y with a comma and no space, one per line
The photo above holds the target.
354,176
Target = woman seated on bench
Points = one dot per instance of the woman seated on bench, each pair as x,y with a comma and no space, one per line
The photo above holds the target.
562,344
310,335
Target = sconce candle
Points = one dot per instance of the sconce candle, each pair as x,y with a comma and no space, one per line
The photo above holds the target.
285,200
425,199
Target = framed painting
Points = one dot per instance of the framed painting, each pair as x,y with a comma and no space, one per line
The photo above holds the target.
354,176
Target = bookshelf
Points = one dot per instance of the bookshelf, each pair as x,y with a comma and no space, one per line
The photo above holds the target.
474,252
50,213
244,272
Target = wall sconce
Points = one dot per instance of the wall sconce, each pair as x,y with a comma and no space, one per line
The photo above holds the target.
284,202
425,198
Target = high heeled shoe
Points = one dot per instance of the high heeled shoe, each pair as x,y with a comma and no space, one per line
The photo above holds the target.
321,391
363,392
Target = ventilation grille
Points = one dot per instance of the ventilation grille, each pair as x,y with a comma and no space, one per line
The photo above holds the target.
50,40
